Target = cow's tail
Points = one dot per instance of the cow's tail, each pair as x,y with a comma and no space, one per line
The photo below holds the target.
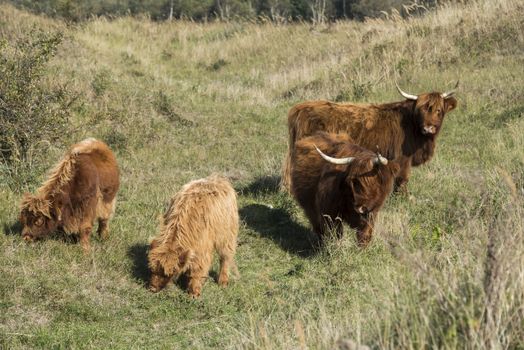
285,181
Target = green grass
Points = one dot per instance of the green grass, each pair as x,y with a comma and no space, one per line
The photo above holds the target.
180,100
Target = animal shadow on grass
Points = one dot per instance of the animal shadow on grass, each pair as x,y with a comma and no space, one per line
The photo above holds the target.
138,254
262,185
277,225
13,228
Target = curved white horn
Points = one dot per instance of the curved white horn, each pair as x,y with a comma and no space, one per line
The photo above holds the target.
380,160
405,94
335,160
451,92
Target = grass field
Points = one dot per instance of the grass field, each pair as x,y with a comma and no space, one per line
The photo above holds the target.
177,101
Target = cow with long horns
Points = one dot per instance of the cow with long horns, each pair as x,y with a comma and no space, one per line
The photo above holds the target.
405,131
335,180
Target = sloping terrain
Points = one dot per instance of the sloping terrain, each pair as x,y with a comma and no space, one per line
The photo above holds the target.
177,101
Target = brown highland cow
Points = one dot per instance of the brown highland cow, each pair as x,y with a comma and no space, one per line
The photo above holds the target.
334,180
81,188
202,217
405,131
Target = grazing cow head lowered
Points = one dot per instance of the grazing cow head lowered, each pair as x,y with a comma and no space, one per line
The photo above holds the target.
38,217
201,218
350,184
430,109
80,190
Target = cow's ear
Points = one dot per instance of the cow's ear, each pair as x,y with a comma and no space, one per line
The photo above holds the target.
450,104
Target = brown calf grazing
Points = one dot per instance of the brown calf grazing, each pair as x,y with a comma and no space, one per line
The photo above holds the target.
334,180
81,188
202,217
405,131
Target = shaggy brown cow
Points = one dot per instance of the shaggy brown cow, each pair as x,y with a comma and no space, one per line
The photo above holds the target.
202,217
334,180
81,188
405,131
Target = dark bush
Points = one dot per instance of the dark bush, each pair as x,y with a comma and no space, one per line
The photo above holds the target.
33,115
278,10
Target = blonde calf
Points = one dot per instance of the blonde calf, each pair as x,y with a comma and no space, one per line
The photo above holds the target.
202,217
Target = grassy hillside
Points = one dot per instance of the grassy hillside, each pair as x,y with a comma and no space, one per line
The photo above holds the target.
177,101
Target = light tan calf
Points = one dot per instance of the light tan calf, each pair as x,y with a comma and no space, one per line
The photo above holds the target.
202,217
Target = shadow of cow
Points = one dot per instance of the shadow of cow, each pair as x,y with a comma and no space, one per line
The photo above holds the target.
277,225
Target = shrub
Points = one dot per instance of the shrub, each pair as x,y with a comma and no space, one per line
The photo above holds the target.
33,115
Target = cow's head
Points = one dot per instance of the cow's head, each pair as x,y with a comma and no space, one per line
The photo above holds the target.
371,189
158,280
430,109
37,217
370,179
166,263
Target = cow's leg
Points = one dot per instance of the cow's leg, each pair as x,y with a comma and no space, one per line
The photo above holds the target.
285,179
318,230
196,280
332,225
103,230
85,232
223,276
338,229
105,212
226,252
364,232
401,181
198,274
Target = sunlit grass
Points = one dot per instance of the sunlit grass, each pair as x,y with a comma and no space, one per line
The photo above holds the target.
180,100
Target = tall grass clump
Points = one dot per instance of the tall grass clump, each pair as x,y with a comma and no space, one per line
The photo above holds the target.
464,296
34,113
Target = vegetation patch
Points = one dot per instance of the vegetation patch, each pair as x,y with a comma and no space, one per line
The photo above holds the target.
34,115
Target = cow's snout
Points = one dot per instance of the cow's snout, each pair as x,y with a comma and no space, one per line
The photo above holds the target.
27,237
429,130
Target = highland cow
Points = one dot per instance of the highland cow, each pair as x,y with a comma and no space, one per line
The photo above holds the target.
335,180
81,188
405,131
201,217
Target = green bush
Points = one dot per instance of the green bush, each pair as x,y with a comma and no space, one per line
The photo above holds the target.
33,115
